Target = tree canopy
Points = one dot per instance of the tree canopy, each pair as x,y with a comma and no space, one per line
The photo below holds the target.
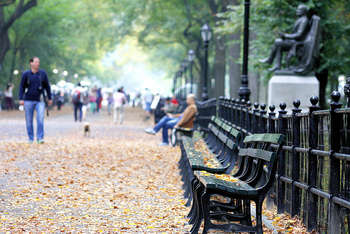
77,35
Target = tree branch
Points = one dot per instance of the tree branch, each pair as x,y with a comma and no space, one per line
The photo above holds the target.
4,3
20,10
189,17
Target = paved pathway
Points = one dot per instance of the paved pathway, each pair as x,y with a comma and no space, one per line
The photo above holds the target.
119,179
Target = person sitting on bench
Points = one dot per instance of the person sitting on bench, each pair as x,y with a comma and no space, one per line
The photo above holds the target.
183,120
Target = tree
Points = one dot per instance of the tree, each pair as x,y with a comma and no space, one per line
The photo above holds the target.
7,22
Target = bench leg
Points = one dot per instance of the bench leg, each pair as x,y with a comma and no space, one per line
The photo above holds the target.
197,219
193,211
205,207
259,204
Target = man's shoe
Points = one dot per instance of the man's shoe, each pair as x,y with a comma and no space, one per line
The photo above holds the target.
150,131
41,142
163,144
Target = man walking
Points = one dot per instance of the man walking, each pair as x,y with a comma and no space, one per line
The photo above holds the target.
32,89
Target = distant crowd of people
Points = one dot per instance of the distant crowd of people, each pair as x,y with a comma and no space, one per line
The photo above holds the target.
85,100
35,95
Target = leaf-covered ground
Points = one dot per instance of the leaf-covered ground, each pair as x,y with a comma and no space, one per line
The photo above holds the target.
117,180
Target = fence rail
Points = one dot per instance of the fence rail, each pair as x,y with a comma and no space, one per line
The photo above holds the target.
313,180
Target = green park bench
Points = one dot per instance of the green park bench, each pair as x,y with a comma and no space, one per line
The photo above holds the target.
250,180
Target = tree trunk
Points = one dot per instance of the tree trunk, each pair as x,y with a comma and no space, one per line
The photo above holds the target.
13,63
219,70
5,24
4,46
234,46
323,79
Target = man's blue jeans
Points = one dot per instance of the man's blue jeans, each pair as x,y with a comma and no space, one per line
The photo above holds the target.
166,123
39,107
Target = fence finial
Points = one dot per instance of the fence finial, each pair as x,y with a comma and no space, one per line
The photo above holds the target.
335,104
256,105
296,103
249,104
314,100
283,106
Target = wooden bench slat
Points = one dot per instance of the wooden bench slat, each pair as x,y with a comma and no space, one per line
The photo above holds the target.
266,137
234,132
256,153
222,137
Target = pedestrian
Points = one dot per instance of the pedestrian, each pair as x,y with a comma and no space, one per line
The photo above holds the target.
119,102
148,98
85,103
184,120
60,99
77,100
92,100
33,91
9,97
110,101
99,99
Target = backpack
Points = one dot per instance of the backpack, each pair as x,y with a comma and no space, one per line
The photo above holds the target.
76,97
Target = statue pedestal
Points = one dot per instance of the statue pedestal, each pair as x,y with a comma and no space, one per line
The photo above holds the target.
287,88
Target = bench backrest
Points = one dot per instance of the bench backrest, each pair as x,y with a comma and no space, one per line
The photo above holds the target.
258,159
225,132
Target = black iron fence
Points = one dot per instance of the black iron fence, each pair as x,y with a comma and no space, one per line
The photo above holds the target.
313,180
206,109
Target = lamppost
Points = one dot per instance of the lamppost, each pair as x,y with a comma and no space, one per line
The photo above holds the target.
244,91
206,36
190,59
184,69
178,79
174,83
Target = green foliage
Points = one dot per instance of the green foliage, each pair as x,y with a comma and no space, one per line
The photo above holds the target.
65,35
269,17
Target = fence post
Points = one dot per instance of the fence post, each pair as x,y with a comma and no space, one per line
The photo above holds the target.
271,129
242,114
296,201
231,110
281,186
263,120
255,128
336,122
235,118
248,116
272,115
312,161
347,91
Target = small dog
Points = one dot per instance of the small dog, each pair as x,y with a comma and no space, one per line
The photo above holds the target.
87,129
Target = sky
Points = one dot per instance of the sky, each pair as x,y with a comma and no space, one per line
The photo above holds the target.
134,71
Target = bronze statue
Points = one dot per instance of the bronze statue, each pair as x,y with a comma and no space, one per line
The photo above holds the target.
302,43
